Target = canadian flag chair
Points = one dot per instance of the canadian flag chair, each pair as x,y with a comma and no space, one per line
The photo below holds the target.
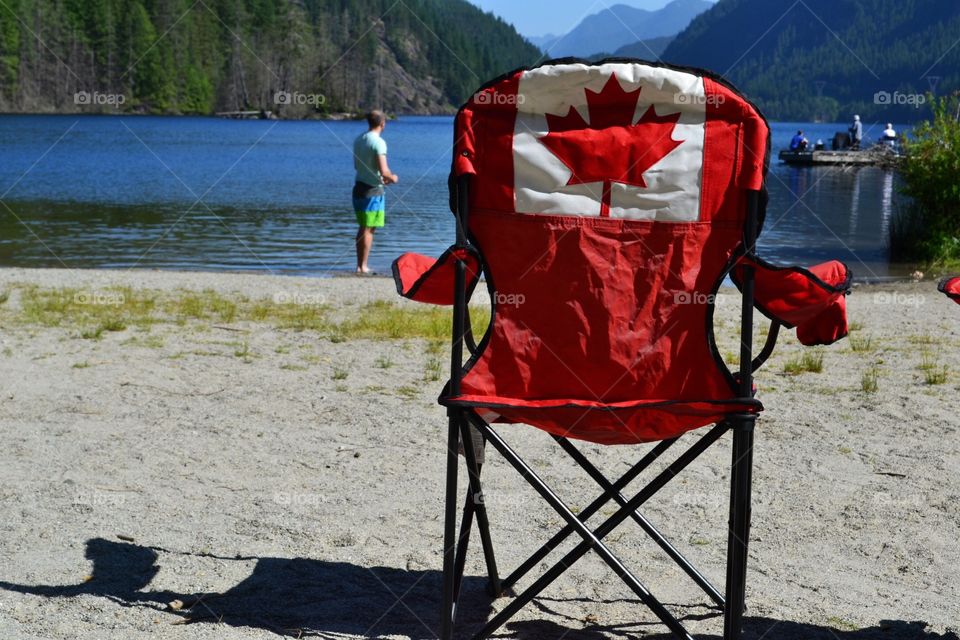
605,204
950,287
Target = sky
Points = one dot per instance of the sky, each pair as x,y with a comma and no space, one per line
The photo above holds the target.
540,17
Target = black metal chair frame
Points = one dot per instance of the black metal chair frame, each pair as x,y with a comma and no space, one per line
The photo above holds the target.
464,423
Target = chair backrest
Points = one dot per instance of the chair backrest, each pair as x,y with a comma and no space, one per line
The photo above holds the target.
608,201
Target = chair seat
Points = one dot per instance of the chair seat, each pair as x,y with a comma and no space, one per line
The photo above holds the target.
630,422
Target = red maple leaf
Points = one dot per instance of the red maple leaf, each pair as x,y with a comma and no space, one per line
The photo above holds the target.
611,148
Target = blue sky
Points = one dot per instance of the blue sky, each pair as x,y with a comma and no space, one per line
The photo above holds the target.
539,17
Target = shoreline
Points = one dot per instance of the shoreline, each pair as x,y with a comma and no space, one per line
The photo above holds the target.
304,278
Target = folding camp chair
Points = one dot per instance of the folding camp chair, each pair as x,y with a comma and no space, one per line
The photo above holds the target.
605,204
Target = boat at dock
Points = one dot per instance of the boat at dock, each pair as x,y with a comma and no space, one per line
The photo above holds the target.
880,155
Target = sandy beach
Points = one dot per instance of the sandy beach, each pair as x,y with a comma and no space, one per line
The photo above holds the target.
198,455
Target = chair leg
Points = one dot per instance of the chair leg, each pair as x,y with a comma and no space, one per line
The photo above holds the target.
483,523
466,524
741,476
449,529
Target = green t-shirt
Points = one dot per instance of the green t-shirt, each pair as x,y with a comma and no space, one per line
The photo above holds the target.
366,149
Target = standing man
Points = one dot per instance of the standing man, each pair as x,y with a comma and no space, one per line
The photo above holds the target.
856,133
369,198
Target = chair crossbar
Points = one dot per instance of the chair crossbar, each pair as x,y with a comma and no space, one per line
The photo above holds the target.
644,523
587,512
592,539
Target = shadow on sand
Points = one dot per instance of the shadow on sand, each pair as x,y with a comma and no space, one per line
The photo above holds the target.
301,597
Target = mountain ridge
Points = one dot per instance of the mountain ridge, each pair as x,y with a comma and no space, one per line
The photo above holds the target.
622,25
828,59
293,58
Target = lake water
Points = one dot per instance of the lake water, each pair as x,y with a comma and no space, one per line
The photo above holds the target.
214,194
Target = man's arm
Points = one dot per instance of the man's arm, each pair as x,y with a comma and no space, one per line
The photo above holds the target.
388,176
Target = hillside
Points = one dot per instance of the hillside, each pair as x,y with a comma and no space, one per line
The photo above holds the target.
292,57
828,59
621,25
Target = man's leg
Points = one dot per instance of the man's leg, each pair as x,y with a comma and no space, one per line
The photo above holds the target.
364,244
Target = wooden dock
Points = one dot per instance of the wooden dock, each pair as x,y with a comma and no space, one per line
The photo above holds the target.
884,157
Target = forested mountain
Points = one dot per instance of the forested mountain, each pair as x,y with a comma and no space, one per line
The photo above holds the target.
620,25
828,59
295,57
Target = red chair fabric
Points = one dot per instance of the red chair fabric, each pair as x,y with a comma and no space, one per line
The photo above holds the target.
430,280
608,202
950,287
812,300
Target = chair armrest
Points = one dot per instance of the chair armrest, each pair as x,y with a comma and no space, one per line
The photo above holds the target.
812,300
424,279
950,287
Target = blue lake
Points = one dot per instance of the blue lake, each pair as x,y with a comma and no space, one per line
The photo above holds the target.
214,194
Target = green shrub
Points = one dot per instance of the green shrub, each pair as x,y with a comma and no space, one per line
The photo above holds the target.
928,230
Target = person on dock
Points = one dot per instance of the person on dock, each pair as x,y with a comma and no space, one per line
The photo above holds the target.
889,136
369,195
856,133
799,142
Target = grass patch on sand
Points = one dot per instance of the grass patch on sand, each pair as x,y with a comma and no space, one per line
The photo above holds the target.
807,362
383,320
842,625
924,339
860,343
93,312
937,375
870,380
407,392
928,360
433,370
148,341
934,372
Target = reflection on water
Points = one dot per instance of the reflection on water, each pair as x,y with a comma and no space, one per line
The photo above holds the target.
886,205
203,193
